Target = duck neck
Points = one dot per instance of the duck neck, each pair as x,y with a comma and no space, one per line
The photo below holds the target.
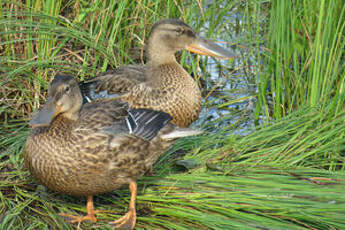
157,59
73,116
159,54
73,113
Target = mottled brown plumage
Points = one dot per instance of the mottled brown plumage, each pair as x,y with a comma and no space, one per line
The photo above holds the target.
85,150
77,158
162,84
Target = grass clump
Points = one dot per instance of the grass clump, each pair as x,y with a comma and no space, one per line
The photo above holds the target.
304,63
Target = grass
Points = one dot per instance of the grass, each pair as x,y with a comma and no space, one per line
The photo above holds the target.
287,172
304,65
248,199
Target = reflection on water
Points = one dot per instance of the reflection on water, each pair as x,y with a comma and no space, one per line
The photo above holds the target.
228,85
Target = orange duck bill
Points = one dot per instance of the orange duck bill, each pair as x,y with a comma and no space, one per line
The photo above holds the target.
206,47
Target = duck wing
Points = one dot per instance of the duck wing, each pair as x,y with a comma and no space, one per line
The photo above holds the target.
113,83
116,118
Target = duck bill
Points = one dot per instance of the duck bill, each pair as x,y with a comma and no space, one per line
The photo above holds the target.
45,115
205,47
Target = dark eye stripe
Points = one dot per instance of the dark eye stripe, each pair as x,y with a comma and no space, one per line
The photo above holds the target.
190,33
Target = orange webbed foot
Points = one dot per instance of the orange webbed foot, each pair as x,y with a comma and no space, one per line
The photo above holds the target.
91,213
128,221
79,219
125,222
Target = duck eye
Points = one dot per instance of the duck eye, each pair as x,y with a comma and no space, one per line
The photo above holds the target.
179,31
67,89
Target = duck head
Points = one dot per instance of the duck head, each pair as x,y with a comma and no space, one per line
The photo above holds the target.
64,97
171,35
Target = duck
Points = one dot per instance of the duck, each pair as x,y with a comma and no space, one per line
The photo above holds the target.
162,84
85,149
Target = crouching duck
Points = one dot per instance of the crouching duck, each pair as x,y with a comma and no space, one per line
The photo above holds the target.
162,84
90,149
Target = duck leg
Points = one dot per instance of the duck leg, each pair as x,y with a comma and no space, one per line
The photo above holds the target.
91,213
129,219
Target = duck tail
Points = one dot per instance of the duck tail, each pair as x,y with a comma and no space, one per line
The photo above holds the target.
181,132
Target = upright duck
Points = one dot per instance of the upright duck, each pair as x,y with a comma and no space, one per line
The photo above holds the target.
162,84
88,149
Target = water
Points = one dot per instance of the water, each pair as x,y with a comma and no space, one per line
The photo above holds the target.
229,83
